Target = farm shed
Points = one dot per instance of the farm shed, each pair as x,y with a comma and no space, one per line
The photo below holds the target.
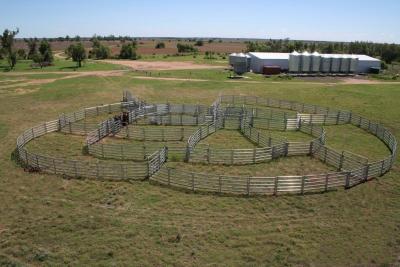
259,60
311,63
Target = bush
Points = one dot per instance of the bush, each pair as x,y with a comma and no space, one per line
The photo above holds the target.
199,43
185,48
128,51
100,52
21,54
160,45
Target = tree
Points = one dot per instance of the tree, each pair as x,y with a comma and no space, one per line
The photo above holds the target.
12,59
45,51
199,43
99,51
21,53
389,53
77,53
185,48
7,43
32,47
128,51
160,45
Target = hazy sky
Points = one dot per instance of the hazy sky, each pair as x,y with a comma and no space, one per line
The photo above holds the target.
338,20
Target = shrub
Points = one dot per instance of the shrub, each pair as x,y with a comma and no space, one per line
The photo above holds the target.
185,48
160,45
199,43
21,54
128,51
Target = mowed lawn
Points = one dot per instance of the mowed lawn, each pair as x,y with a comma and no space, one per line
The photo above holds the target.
51,221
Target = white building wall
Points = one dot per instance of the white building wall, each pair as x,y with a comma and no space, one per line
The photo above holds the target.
364,65
257,63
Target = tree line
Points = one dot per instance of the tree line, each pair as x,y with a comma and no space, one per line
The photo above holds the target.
386,52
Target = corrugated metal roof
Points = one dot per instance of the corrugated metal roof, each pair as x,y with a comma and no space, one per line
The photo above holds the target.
262,55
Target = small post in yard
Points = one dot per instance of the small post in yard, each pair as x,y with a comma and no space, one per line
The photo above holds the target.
347,181
311,149
326,182
286,148
187,155
382,166
276,186
254,155
303,182
285,121
366,172
341,161
338,117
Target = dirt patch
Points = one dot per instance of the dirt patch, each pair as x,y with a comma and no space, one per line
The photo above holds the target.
364,81
161,65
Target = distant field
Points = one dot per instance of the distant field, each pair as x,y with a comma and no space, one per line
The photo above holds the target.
46,220
147,47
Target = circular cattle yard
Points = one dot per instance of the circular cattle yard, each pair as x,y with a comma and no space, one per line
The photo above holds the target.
169,144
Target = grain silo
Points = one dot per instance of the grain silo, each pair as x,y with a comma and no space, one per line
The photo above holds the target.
326,61
335,65
294,62
353,64
345,64
315,62
305,61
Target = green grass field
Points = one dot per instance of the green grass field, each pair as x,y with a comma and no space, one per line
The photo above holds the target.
60,65
46,220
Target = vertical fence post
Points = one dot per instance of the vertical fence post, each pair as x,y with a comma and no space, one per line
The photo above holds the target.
303,182
285,121
276,185
382,166
366,172
286,149
347,181
326,182
341,161
187,154
337,118
311,149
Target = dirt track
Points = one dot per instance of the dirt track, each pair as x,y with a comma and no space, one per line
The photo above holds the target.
161,65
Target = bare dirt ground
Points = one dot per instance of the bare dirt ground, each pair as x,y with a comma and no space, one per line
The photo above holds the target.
364,81
160,65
